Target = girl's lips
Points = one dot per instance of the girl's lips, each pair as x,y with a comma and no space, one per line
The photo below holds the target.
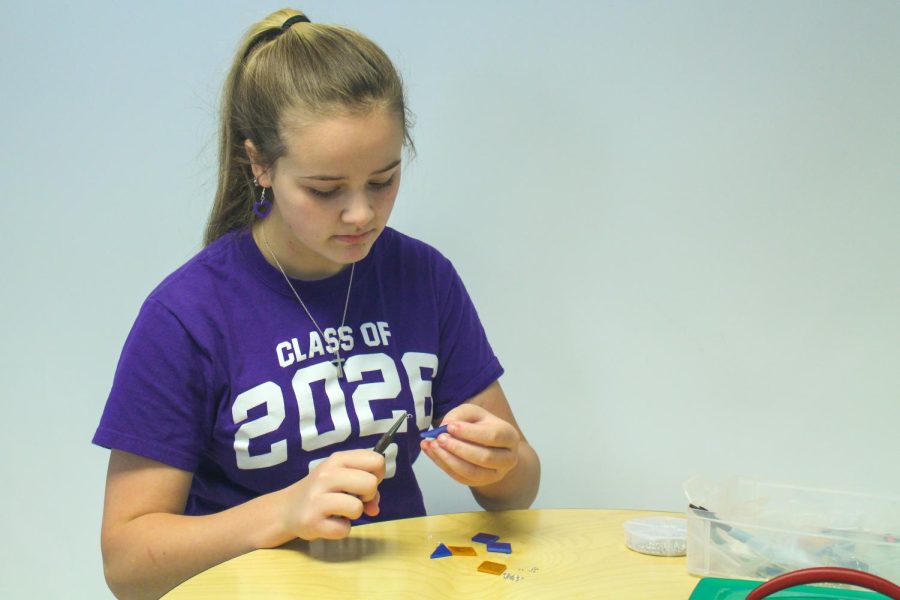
353,239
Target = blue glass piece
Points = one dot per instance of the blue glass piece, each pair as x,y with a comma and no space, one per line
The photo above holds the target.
501,547
433,433
441,551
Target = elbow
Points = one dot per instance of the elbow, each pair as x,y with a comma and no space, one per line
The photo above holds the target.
123,585
495,505
115,584
530,481
122,578
517,491
112,569
114,581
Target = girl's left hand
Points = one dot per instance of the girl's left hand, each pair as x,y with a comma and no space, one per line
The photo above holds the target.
480,448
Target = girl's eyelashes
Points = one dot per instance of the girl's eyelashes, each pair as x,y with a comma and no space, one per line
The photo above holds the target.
374,185
380,185
324,193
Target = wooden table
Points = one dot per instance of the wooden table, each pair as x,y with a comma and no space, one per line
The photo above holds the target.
555,554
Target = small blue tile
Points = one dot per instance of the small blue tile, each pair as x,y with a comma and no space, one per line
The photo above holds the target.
501,547
485,538
433,433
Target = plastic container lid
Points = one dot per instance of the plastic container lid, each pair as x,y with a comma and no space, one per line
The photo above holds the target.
659,536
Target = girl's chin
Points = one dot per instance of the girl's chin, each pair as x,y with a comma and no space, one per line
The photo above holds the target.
348,256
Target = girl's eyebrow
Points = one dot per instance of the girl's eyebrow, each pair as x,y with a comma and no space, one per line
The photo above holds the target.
341,177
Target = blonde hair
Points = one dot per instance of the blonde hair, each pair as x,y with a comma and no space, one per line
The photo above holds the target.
309,70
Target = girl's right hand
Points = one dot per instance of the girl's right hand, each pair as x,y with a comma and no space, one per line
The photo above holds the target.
337,491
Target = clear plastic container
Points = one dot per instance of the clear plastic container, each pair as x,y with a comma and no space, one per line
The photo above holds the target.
659,536
756,530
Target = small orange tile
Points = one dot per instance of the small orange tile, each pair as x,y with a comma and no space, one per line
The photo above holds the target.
462,550
491,567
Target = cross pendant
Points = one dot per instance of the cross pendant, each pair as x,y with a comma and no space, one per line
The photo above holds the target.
338,364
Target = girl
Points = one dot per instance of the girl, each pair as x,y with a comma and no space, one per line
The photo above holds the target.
259,375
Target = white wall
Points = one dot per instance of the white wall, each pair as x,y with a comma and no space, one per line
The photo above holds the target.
678,220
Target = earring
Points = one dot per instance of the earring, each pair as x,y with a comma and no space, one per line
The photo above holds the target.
262,207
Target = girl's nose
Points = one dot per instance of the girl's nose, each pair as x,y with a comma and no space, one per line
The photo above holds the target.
358,210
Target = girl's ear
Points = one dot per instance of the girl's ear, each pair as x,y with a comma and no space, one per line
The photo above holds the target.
259,171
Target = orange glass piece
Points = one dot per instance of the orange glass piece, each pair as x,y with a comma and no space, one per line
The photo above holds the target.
462,550
491,567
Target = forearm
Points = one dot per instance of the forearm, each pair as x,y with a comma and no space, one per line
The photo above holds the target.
151,554
518,488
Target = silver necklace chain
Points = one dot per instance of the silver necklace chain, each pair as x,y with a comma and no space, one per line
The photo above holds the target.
337,351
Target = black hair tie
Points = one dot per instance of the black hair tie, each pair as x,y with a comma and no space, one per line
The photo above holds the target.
295,19
274,32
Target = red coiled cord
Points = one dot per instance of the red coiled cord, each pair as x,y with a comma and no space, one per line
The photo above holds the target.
826,575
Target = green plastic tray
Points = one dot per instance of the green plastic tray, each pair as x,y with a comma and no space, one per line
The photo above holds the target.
713,588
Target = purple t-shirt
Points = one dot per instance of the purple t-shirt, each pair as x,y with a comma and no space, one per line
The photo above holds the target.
225,376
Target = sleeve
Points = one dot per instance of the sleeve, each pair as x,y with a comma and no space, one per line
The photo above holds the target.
467,364
159,406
